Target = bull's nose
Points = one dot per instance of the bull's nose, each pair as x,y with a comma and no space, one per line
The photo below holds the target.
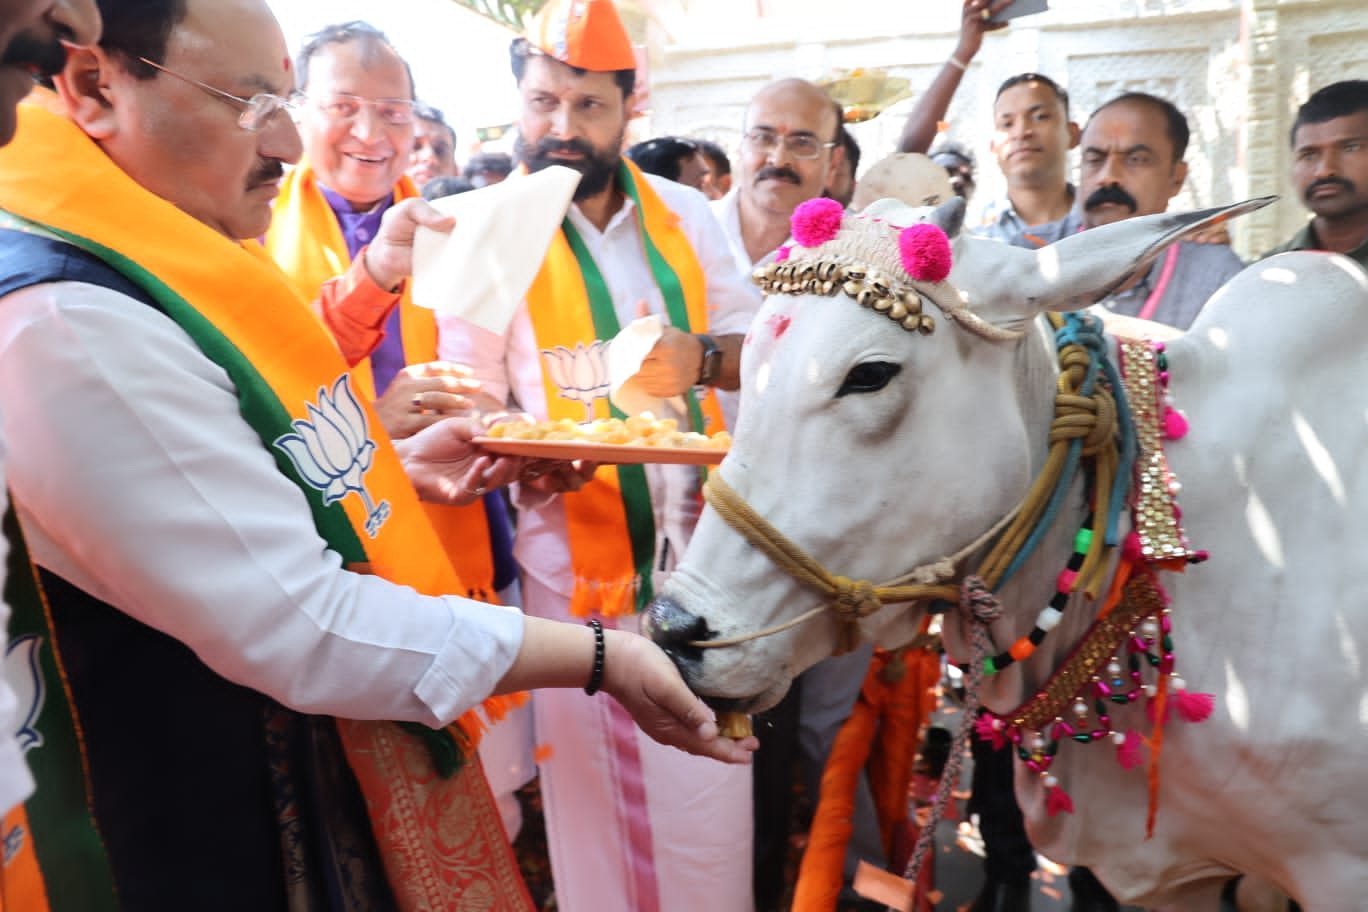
673,629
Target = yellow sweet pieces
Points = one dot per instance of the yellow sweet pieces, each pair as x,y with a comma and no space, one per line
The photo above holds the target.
638,430
734,725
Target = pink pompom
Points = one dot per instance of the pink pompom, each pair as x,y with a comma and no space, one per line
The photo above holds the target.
989,728
1175,425
817,221
1057,801
1194,707
1128,753
782,253
1131,548
925,252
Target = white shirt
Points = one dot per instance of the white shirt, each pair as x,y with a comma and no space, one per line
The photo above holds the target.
16,783
727,211
140,482
511,364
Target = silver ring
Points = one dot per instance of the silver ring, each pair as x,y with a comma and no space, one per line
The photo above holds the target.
476,492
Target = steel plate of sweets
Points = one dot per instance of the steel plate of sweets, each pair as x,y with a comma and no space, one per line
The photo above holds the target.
636,439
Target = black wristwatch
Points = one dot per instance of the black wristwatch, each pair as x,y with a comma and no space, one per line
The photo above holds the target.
711,367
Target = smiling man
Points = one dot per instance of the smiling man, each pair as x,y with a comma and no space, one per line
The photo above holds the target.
1330,170
630,828
358,124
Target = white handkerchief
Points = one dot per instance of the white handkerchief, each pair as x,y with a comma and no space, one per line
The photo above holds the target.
628,349
481,270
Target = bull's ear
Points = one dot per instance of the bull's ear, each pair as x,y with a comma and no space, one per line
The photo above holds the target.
1084,268
949,216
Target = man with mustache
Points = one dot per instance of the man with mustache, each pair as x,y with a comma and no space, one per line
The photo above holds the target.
1330,170
1132,164
233,582
629,828
789,154
31,36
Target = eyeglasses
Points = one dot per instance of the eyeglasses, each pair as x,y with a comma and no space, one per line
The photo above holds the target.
799,145
393,112
256,111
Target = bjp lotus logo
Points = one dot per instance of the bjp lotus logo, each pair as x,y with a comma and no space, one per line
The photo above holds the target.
332,451
25,677
581,374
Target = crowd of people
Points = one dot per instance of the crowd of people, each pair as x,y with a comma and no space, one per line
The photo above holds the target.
267,592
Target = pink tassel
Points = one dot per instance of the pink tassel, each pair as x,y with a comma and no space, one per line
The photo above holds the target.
1194,707
1130,547
1128,754
1058,801
989,728
1175,425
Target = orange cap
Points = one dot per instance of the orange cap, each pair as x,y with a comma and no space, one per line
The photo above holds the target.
583,33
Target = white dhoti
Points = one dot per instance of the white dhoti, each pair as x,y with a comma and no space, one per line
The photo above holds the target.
634,826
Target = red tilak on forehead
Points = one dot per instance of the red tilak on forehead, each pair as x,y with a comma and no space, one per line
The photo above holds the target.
779,323
287,64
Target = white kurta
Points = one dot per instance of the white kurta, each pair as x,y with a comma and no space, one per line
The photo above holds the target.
139,482
632,826
16,783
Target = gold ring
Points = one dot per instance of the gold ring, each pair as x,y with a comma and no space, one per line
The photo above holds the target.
985,14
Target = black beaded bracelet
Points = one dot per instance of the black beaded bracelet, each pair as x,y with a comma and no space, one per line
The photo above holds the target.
596,676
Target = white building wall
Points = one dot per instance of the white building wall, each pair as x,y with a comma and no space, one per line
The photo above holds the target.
1237,68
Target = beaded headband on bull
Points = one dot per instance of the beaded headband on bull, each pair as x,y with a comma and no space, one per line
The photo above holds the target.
878,258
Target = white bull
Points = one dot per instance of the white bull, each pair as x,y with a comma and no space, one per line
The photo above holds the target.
876,450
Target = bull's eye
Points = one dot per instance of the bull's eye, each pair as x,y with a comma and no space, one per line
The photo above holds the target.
869,377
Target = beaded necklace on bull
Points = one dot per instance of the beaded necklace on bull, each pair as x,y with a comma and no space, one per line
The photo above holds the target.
1107,423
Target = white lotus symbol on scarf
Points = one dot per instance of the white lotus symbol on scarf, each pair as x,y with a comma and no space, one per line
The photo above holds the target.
332,451
581,374
25,678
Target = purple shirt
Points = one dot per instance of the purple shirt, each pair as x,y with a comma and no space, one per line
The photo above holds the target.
358,230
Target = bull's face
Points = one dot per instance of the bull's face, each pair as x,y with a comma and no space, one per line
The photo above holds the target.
873,448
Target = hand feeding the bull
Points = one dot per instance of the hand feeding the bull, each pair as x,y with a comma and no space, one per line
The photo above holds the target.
949,430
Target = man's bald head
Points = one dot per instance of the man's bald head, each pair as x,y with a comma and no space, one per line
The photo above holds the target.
790,149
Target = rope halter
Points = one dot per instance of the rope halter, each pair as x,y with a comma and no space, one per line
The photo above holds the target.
1090,428
850,600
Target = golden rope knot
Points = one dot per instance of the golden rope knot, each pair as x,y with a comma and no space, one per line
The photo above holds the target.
854,599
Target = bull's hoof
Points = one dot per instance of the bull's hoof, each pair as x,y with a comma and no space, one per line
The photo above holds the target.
997,896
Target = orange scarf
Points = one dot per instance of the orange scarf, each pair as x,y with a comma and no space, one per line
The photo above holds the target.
305,239
614,509
242,312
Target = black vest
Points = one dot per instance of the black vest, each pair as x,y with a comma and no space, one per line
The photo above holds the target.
188,772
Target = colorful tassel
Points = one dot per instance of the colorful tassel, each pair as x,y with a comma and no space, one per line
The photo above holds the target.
1194,707
1175,425
1128,753
1131,549
989,728
1057,801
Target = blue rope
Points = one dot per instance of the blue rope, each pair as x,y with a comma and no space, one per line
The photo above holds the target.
1085,330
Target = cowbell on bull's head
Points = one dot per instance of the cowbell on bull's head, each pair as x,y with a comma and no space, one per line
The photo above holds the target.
891,415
